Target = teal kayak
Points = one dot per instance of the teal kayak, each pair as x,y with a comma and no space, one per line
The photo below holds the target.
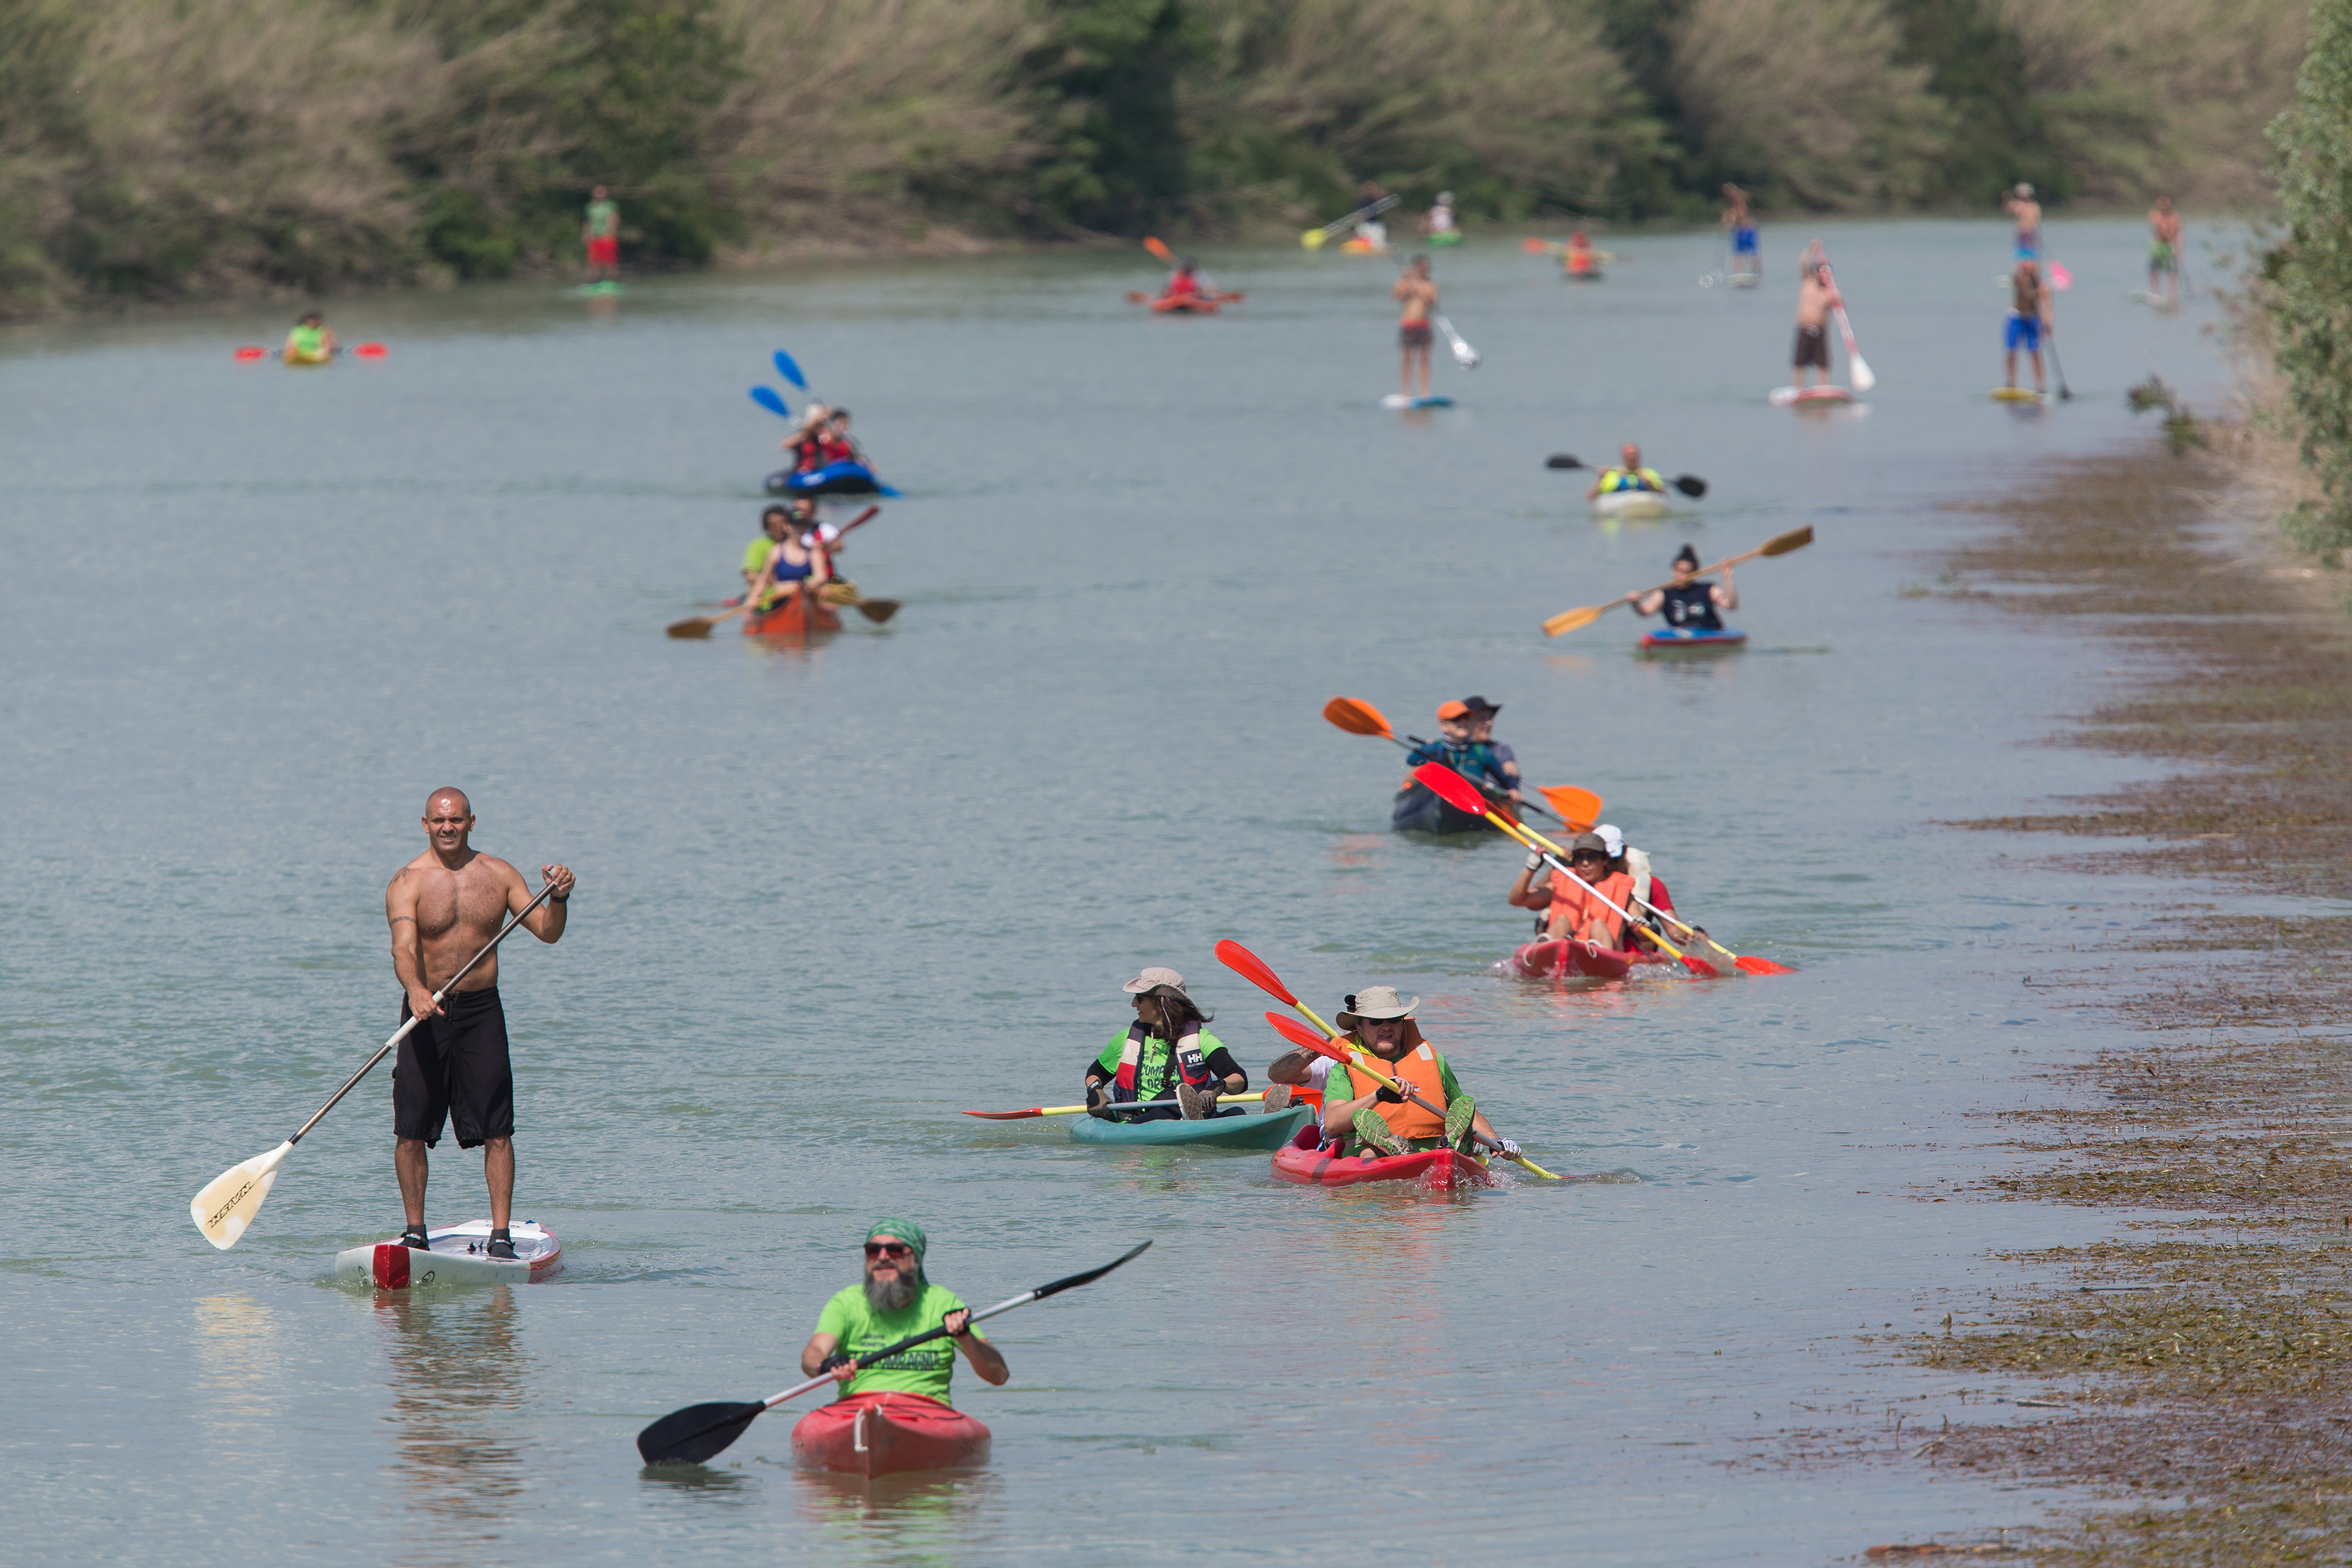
1232,1131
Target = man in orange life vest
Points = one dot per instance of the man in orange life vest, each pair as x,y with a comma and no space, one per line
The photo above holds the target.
1383,1037
1577,915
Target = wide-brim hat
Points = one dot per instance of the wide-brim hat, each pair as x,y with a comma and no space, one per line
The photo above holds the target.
1377,1004
1156,982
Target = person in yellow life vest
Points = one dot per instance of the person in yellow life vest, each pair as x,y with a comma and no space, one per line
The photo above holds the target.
1628,475
1574,914
1382,1035
311,342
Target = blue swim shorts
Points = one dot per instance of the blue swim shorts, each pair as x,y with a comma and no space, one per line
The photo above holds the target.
2024,333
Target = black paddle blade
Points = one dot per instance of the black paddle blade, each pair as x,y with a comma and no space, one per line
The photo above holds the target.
1692,486
697,1432
1561,460
1088,1278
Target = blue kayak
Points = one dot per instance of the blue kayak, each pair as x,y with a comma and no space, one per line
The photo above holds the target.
843,479
1692,639
1231,1130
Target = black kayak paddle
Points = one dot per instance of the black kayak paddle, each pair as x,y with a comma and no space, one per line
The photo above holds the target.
1690,485
701,1432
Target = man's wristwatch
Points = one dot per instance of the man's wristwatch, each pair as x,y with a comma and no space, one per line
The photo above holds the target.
564,899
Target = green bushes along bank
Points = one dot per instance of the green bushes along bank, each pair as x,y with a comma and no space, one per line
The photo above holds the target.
179,148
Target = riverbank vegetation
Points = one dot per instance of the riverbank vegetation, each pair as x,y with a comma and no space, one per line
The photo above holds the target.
160,150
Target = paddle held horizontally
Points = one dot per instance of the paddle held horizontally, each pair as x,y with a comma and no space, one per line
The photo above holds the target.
1779,544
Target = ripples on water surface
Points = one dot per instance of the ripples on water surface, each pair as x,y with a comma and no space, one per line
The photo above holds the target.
832,896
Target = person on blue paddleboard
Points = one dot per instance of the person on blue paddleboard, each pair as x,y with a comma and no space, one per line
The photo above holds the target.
1689,601
1381,1035
1628,475
1739,223
894,1301
443,908
2027,324
1465,743
1416,297
1167,1053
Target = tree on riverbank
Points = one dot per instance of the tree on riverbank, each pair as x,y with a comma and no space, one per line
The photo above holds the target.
183,149
2309,276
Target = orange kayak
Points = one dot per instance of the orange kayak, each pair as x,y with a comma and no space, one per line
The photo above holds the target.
883,1433
1560,960
795,617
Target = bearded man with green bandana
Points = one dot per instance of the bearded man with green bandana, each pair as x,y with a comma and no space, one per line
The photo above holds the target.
895,1302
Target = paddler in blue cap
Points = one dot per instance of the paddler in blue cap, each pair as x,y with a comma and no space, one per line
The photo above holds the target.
895,1302
1167,1053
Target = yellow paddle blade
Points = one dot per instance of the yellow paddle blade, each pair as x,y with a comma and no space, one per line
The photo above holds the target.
1579,808
1356,717
1313,238
1569,620
230,1201
1795,539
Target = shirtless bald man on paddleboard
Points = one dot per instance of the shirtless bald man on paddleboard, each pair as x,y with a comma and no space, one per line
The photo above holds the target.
443,907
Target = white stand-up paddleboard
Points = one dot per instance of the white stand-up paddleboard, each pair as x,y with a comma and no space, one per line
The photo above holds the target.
1399,400
1628,503
459,1255
1791,397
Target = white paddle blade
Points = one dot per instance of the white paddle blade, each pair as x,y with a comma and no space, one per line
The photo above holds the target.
231,1200
1863,379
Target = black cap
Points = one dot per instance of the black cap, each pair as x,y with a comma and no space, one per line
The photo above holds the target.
1480,705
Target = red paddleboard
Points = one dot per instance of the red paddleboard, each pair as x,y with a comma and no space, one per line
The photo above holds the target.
1794,397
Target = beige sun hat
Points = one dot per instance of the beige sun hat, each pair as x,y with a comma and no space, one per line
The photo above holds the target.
1159,982
1377,1003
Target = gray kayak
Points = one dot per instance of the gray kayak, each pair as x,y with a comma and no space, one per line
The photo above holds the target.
1231,1131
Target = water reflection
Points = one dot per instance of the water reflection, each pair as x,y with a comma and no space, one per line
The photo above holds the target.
457,1379
239,1363
921,1519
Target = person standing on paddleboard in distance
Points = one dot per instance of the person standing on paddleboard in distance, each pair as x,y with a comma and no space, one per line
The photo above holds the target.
2027,322
444,907
1439,219
600,230
1688,601
1417,295
1167,1053
1746,254
1628,475
1382,1035
1816,298
2021,205
2163,253
894,1302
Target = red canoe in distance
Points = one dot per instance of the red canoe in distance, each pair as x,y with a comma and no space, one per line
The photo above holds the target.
797,616
886,1434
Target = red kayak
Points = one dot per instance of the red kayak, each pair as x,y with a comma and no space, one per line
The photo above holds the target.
795,617
883,1433
1560,960
1183,304
1439,1168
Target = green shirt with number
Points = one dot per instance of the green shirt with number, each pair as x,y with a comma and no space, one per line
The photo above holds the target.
604,220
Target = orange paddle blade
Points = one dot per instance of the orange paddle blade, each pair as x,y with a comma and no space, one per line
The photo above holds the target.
1747,966
1151,243
252,351
1451,788
1252,968
370,351
1535,247
1356,717
1579,808
1569,620
1305,1038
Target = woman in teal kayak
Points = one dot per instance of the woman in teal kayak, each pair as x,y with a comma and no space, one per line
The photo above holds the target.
1689,602
1166,1054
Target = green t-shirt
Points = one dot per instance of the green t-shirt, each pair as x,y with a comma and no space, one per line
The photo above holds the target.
604,220
1155,1066
857,1328
755,554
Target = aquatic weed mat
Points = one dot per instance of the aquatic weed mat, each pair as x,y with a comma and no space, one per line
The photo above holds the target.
2197,1368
